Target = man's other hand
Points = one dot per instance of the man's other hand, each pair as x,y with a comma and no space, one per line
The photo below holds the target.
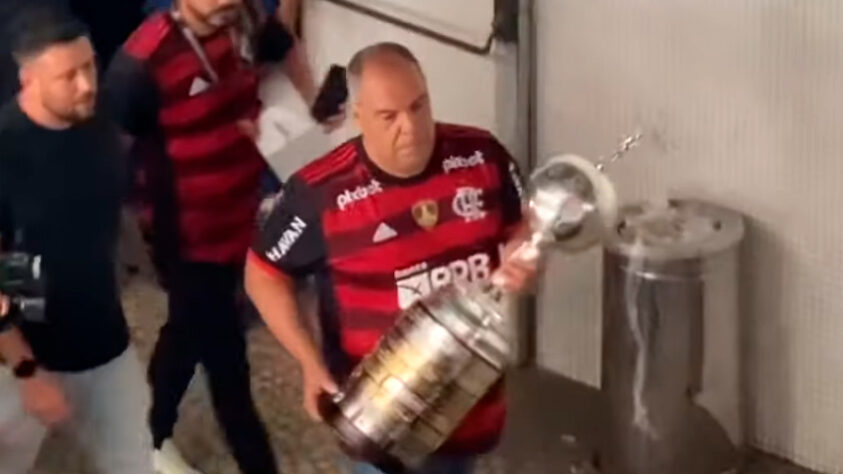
43,398
518,270
316,382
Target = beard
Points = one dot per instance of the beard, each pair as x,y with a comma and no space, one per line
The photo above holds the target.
76,113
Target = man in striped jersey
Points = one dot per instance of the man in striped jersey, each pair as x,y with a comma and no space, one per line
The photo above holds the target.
185,86
390,216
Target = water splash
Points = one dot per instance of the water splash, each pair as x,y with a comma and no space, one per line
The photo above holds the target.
632,291
626,144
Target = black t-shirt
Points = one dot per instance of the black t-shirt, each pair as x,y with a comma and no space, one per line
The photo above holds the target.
60,198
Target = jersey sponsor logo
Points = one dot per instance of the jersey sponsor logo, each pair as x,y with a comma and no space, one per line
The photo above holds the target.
426,213
418,281
198,86
359,193
383,233
288,238
468,204
516,180
458,162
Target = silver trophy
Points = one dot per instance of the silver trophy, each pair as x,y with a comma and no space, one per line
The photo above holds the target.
448,350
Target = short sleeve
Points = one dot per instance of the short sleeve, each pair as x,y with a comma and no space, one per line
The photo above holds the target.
512,186
131,97
291,240
273,42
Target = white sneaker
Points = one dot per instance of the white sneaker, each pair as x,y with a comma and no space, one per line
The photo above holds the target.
168,460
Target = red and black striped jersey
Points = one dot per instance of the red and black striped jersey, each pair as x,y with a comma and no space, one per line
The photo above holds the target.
199,172
378,243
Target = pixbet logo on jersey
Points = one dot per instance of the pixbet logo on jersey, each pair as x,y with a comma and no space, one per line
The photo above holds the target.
419,281
359,193
457,162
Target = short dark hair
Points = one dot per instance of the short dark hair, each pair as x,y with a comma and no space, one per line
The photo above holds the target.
35,29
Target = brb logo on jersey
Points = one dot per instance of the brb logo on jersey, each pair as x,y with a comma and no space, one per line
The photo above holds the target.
419,281
359,193
458,162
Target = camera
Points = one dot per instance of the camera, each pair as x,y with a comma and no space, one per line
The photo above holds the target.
22,282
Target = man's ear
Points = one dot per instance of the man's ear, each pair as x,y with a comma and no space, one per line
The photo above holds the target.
355,112
25,74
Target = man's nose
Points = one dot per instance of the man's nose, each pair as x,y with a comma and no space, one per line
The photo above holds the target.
86,84
408,125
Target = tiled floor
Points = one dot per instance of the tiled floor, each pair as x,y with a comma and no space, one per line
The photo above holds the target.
544,409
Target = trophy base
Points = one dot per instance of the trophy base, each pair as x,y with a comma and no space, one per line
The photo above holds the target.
355,443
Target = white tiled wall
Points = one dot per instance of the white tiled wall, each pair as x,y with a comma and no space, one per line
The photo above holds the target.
742,101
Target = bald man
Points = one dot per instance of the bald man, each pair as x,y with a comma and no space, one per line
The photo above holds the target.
408,206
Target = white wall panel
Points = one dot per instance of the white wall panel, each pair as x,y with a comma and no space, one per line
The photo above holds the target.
742,104
468,20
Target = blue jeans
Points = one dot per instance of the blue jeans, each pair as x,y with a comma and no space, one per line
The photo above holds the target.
434,465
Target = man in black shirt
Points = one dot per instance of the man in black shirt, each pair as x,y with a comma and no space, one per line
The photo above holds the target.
62,179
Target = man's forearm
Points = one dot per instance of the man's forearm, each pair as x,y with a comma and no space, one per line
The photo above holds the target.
275,299
13,347
298,70
288,15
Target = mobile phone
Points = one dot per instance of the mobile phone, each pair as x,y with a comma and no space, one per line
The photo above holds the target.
332,95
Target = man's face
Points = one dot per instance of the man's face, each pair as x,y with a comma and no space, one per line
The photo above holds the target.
216,13
394,114
64,78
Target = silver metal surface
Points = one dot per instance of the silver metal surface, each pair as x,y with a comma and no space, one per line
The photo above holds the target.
670,376
571,205
437,362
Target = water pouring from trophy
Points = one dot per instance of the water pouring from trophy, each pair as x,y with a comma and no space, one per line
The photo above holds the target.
449,349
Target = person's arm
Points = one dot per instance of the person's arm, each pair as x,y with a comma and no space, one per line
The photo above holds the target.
277,45
290,245
298,70
273,294
41,394
289,15
130,95
13,347
516,274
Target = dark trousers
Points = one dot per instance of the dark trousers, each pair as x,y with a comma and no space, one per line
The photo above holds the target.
204,327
